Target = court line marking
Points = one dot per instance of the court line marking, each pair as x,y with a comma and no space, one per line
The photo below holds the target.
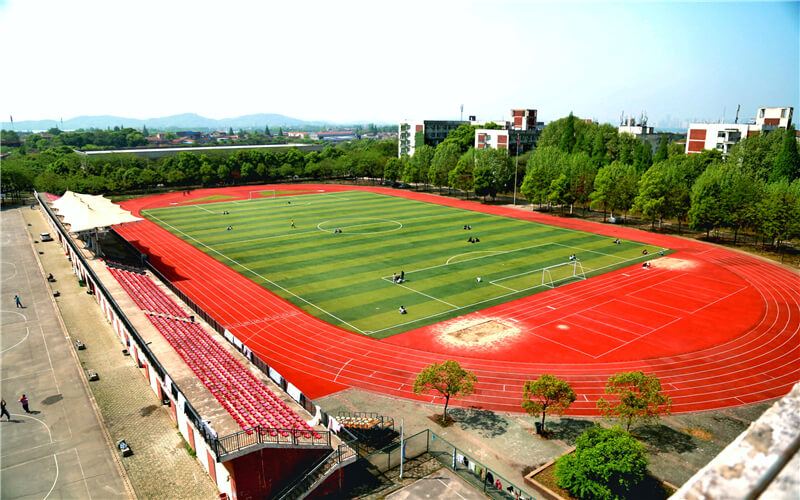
27,333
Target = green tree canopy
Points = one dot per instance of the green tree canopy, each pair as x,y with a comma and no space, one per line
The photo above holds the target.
544,166
463,137
661,154
635,396
615,187
548,394
444,161
448,379
568,139
606,465
787,163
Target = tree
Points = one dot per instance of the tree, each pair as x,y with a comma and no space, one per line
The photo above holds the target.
615,187
280,131
778,212
607,464
661,154
642,156
393,168
145,132
444,161
266,131
448,379
230,130
544,166
548,394
463,137
568,140
461,177
636,397
787,164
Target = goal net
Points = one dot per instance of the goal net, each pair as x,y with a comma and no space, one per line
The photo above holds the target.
559,274
265,193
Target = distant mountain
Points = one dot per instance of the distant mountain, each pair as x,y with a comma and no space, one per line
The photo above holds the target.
186,120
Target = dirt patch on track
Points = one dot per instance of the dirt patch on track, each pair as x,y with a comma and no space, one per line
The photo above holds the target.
673,264
480,332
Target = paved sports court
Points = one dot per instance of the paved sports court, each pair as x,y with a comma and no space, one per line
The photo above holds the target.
59,450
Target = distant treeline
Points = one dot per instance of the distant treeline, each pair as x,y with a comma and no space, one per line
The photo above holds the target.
756,188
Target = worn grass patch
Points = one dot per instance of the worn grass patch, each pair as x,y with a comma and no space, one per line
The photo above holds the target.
699,433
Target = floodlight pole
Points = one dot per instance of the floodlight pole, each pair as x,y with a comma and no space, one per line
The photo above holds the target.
402,446
516,167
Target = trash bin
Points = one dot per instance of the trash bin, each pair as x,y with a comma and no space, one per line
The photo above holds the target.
538,427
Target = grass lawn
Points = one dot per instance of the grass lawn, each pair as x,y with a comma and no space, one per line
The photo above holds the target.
346,278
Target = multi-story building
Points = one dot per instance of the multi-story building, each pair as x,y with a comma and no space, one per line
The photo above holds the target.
522,126
518,135
430,132
722,136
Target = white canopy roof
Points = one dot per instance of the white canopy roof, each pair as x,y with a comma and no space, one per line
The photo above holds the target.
84,212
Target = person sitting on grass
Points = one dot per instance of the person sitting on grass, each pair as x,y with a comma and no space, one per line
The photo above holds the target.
230,227
402,310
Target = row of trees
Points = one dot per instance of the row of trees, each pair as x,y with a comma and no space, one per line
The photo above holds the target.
59,169
635,396
607,463
576,163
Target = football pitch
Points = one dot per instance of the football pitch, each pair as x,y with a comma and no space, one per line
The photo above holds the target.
335,255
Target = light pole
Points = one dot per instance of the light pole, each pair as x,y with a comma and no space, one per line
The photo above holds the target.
516,166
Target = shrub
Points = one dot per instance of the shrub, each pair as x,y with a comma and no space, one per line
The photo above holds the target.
606,464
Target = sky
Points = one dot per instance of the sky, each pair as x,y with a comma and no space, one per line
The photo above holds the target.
372,61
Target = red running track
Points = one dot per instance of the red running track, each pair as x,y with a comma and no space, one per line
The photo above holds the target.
718,327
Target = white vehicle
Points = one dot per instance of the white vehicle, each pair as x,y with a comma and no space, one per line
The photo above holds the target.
45,237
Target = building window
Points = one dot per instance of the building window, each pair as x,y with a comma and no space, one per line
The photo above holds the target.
720,146
721,133
783,113
761,113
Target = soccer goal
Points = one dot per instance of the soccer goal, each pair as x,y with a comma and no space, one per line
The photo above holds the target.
265,193
553,276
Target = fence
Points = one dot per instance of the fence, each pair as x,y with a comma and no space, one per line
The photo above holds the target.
483,478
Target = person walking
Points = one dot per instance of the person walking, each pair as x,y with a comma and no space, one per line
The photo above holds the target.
3,410
24,401
17,301
293,226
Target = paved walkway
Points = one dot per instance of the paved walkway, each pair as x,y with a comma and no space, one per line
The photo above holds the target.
60,449
160,466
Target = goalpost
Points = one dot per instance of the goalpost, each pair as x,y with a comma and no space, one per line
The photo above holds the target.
264,193
552,276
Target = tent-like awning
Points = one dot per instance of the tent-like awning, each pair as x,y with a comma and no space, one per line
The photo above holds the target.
84,212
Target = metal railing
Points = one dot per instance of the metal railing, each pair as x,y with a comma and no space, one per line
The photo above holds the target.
256,436
314,476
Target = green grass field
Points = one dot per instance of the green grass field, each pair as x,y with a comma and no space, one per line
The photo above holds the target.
346,278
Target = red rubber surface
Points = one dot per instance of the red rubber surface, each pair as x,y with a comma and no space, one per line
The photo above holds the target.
720,330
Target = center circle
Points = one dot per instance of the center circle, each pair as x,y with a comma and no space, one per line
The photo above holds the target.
360,225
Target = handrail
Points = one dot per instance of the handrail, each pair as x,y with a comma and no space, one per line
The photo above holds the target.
324,466
254,436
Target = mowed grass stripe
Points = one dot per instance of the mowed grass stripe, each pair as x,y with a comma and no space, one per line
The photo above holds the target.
345,274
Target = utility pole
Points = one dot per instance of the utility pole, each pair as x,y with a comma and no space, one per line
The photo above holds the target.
462,113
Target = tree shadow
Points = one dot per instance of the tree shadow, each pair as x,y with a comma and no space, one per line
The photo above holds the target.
664,439
486,423
567,429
